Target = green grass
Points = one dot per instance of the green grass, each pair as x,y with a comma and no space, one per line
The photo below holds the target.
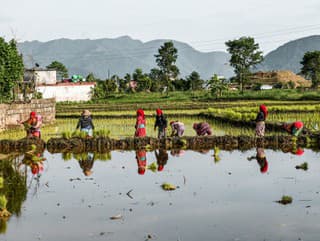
204,96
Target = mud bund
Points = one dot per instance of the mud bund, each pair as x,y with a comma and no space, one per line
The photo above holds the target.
102,145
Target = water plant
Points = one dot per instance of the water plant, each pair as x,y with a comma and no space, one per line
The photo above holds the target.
216,152
168,187
3,207
285,200
303,166
153,167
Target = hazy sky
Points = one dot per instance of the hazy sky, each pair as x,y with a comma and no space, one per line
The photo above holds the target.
204,24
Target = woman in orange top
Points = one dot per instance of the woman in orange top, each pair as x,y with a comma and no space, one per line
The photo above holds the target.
32,125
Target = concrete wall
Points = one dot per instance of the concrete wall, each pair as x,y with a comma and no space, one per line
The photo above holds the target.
67,91
10,113
46,77
41,77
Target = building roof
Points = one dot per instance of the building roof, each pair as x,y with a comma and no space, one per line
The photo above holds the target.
70,84
39,69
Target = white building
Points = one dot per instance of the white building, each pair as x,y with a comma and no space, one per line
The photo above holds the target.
46,84
81,91
40,76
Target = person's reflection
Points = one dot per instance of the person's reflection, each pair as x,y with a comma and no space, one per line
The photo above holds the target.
294,150
86,163
299,151
141,157
203,151
261,159
162,158
177,152
34,159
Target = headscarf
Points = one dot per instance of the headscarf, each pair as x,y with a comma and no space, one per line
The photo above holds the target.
33,114
141,170
160,168
264,169
298,124
299,152
140,112
159,112
86,113
264,109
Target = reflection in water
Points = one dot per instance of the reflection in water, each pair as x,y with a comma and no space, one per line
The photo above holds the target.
177,152
294,150
299,152
261,159
34,159
203,207
13,190
162,158
86,160
86,163
141,157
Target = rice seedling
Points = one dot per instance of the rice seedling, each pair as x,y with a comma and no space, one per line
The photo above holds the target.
285,200
168,187
152,167
101,133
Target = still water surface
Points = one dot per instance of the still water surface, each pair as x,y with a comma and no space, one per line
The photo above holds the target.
226,200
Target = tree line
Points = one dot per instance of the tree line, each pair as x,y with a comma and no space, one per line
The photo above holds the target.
245,55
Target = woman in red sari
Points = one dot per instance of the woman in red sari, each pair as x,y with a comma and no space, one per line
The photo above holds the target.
140,124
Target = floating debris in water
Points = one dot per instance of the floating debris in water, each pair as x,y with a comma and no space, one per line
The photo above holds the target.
129,195
74,179
168,187
115,217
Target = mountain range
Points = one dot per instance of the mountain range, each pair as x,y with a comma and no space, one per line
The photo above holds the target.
289,55
106,57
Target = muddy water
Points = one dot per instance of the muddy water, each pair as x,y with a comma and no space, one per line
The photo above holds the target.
230,199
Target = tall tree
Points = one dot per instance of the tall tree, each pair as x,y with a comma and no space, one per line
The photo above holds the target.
62,71
311,67
216,86
90,77
11,68
245,54
155,76
196,83
143,80
166,59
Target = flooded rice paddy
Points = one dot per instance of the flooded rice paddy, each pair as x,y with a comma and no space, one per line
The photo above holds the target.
124,127
228,197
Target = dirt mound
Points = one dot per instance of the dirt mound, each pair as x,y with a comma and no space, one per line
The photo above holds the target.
281,76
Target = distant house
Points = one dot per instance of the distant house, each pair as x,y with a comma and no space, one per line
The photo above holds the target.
283,77
265,87
46,83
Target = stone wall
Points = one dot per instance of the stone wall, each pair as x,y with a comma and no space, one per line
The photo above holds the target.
10,113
